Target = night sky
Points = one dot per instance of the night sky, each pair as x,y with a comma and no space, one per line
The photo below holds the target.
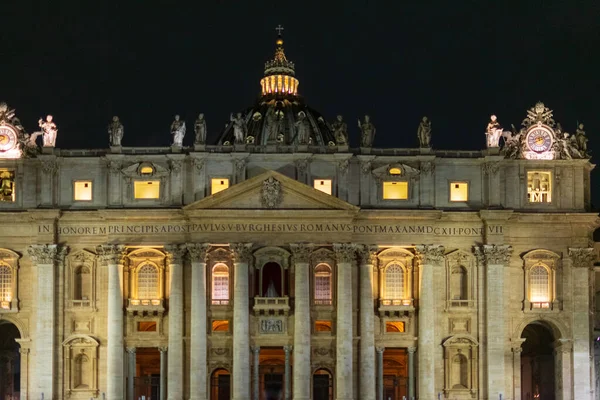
456,62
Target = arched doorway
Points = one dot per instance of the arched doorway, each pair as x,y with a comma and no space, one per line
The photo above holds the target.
10,361
272,282
220,384
322,385
537,363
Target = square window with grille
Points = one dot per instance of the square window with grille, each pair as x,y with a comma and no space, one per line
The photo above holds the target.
539,186
5,286
322,277
147,280
220,284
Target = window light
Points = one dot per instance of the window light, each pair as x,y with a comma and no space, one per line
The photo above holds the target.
324,185
395,190
218,184
82,190
146,189
459,191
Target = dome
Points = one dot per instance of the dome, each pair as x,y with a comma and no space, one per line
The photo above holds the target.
280,116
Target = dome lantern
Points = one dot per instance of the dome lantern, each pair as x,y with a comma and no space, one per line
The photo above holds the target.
279,72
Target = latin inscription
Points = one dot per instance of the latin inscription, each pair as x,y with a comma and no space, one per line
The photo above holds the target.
376,229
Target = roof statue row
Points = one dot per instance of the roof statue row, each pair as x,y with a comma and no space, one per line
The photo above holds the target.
280,117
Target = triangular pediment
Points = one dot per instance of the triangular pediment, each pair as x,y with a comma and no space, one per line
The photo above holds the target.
271,190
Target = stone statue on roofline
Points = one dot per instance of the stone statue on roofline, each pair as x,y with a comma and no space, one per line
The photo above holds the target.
493,132
581,140
273,120
239,128
49,131
200,129
424,133
178,131
340,130
367,132
115,131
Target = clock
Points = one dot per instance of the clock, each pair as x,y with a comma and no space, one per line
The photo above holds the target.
8,138
539,139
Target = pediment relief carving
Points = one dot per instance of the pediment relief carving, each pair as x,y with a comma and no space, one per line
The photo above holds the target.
541,255
460,257
406,172
134,170
272,254
80,340
82,257
322,255
402,255
219,254
8,255
460,341
146,254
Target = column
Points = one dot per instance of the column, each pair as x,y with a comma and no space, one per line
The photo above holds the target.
163,373
198,341
411,372
255,372
43,257
582,278
287,375
345,255
563,383
496,258
130,372
24,351
302,349
113,256
368,260
429,256
380,351
176,356
241,340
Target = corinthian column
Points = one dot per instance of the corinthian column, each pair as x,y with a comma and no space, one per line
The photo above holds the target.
112,255
198,345
345,255
582,278
301,372
241,340
44,257
429,256
368,260
496,258
175,360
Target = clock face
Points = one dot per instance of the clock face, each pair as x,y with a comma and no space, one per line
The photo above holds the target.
8,138
539,139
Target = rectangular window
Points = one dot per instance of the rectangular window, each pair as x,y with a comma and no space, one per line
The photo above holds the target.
146,326
323,326
395,190
146,189
7,186
394,326
539,186
82,190
220,325
459,191
218,184
324,185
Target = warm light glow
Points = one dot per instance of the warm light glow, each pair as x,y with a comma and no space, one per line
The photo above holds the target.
395,171
220,326
279,84
146,170
394,327
146,189
324,185
539,186
218,184
459,191
323,326
147,326
395,190
82,190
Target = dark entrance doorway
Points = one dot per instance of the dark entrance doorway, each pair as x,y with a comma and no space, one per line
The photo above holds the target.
537,363
147,373
10,361
322,385
395,374
271,373
220,385
273,386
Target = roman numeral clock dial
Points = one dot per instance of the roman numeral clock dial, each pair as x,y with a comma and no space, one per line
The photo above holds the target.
539,140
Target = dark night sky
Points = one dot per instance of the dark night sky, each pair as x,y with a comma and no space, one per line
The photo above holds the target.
454,61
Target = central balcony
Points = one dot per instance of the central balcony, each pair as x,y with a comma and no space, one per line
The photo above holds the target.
271,305
145,306
395,307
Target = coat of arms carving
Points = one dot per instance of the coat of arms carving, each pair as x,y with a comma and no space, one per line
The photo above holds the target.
271,194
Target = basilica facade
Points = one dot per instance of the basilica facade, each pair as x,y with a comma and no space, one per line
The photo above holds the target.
281,263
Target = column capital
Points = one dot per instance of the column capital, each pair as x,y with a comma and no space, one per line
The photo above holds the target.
563,346
46,253
23,351
412,350
255,349
430,253
344,252
131,350
379,349
367,254
301,251
198,251
241,252
493,253
163,349
111,253
287,349
175,253
582,257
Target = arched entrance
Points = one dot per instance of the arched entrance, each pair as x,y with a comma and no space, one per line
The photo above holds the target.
10,361
220,384
322,385
537,363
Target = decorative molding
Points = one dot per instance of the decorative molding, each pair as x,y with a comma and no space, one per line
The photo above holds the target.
344,252
175,166
368,254
491,168
301,252
240,164
44,253
494,254
430,253
271,194
111,253
365,167
582,257
49,167
198,251
302,165
114,167
241,252
198,164
278,255
343,166
175,253
427,167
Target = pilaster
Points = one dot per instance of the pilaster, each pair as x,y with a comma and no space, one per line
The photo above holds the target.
131,355
368,261
175,361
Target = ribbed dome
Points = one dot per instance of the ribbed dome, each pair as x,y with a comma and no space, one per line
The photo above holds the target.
280,115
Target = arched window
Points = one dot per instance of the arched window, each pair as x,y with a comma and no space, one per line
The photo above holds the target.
539,284
323,293
394,282
220,284
5,286
458,284
147,280
82,285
